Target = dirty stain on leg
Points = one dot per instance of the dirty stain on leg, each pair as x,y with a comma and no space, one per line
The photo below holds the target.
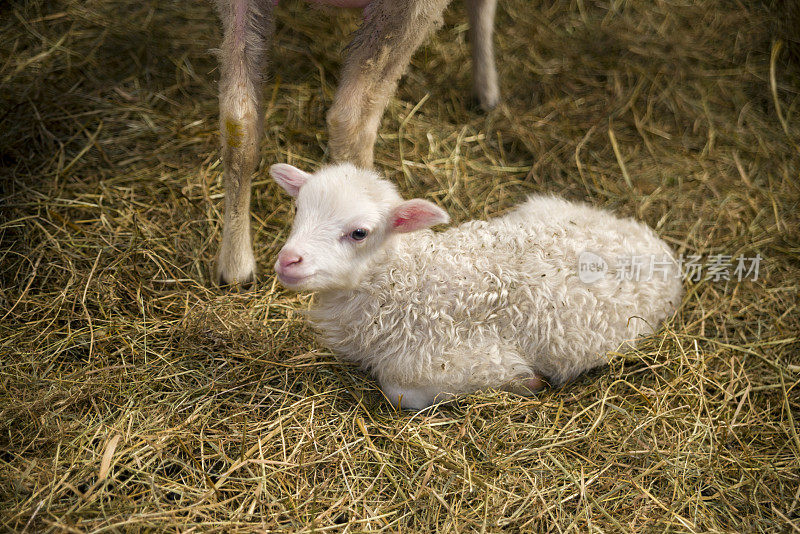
233,133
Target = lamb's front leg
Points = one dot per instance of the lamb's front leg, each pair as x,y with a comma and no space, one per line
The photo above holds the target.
463,368
248,27
413,398
421,397
378,55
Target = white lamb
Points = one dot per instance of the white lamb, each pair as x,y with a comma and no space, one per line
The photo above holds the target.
487,304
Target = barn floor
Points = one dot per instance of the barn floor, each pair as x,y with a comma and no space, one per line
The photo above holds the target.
136,396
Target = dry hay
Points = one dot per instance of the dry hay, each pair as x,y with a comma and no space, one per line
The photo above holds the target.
134,396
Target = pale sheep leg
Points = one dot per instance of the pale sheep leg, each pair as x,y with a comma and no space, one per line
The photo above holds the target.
484,72
378,55
418,398
471,367
248,27
413,398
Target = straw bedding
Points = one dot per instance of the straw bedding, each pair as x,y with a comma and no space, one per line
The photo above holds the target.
135,396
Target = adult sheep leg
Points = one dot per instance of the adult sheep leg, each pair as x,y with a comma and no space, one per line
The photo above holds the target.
484,72
248,28
378,55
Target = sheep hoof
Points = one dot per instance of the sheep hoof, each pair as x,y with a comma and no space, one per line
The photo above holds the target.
236,272
235,284
485,102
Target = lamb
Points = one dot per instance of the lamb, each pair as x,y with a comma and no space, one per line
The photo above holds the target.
487,304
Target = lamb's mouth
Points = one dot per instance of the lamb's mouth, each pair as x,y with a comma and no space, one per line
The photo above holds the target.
293,281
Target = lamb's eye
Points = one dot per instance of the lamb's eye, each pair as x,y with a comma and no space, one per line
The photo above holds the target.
359,234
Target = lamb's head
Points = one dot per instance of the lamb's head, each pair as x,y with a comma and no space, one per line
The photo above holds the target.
345,217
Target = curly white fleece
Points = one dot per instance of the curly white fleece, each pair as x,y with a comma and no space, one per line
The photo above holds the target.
490,302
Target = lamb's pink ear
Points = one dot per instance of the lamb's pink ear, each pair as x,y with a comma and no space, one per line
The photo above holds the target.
416,214
291,179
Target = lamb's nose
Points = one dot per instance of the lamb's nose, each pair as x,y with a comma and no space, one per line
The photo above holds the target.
289,258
